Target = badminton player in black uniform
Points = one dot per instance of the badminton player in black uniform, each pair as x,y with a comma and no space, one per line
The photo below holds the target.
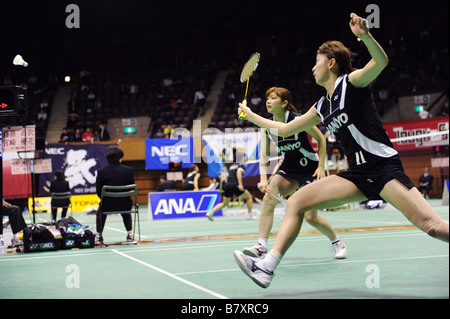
300,165
234,187
191,181
375,169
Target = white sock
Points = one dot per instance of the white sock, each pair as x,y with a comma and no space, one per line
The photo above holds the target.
271,261
262,242
335,239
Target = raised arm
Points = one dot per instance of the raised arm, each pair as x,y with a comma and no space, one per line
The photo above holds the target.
363,77
300,124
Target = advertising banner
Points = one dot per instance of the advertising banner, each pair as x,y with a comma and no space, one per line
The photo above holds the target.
219,146
159,152
397,130
80,164
167,205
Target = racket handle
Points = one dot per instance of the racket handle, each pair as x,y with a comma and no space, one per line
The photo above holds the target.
242,115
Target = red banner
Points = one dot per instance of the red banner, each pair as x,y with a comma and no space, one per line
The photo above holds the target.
399,130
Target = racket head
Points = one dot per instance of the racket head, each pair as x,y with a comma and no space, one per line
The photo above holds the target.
250,67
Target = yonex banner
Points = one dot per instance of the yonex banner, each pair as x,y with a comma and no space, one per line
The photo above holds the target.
165,205
159,152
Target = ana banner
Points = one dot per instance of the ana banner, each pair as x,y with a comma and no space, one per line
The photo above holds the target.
80,164
159,152
397,130
218,150
167,205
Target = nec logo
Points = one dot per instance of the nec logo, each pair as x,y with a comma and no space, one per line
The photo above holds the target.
55,150
170,150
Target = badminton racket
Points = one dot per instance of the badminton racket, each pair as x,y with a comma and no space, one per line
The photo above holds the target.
247,71
278,197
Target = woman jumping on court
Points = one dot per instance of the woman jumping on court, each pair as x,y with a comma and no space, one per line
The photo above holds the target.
299,166
375,170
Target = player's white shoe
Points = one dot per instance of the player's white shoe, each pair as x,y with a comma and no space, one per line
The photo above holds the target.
340,251
256,251
209,216
254,268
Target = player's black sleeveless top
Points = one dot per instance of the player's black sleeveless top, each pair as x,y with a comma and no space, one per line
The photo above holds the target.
296,151
352,117
232,173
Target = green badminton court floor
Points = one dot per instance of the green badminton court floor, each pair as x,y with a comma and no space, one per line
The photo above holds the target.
189,259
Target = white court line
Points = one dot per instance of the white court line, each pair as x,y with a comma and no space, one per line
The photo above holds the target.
215,294
323,263
120,231
195,245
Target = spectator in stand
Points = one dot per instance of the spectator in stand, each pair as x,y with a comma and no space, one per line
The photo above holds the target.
88,136
65,136
103,133
77,137
42,116
255,100
199,101
168,130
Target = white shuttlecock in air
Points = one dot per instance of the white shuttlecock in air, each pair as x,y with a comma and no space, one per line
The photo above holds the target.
18,60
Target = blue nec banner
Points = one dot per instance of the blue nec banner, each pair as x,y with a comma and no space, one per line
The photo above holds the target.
159,152
167,205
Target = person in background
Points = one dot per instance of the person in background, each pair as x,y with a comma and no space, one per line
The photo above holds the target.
191,181
165,185
16,220
103,133
59,185
425,183
114,174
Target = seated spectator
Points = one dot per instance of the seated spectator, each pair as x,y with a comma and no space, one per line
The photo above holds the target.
168,130
213,184
16,220
65,136
59,185
114,174
425,183
77,136
165,185
88,135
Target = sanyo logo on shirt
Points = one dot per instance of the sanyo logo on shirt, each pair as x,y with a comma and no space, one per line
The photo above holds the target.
337,122
170,150
290,147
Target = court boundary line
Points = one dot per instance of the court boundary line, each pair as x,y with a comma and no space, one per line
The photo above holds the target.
334,262
187,282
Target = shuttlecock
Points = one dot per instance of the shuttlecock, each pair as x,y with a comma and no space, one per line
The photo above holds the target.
18,60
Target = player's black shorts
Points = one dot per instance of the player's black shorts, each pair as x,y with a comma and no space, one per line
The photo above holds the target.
303,178
370,181
230,189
